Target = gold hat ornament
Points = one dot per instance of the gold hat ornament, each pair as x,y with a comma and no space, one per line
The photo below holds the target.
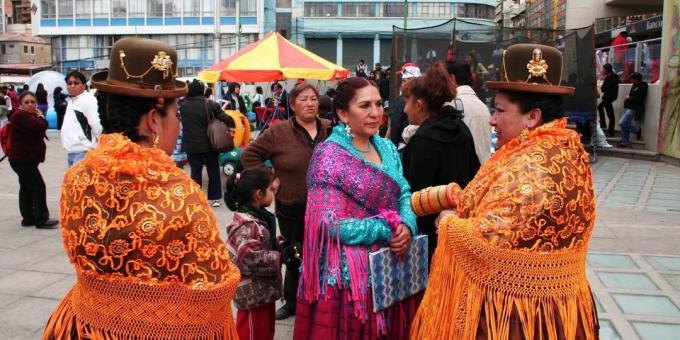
141,68
532,68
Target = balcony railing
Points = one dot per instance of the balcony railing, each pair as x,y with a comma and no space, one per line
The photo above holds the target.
642,56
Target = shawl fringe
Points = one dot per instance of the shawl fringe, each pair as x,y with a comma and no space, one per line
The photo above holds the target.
315,283
470,276
101,309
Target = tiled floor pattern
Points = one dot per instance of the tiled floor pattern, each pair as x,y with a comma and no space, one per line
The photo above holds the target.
637,296
636,185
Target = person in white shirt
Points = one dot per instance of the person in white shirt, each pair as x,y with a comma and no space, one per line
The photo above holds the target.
82,127
476,114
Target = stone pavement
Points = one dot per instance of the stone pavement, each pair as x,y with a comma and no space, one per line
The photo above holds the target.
633,265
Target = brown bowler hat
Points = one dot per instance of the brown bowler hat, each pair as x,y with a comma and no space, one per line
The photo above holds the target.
141,68
532,68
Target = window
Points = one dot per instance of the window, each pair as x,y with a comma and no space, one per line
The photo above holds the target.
228,43
154,8
83,9
283,3
192,45
357,9
25,49
248,8
136,9
172,8
102,8
32,49
3,49
192,8
392,9
227,8
321,9
66,9
432,10
474,11
48,9
208,8
118,8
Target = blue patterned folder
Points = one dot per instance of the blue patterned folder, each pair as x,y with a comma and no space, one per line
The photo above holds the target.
393,281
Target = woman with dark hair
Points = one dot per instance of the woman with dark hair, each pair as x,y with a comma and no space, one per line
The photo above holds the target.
358,201
442,149
194,112
140,233
233,99
27,151
41,96
59,105
511,257
289,147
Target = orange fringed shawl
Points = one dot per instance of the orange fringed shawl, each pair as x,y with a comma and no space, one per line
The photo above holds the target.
149,260
517,247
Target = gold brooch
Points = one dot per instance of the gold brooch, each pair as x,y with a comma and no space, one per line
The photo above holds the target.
161,62
537,66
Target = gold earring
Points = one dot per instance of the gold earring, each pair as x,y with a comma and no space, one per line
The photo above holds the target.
155,141
524,134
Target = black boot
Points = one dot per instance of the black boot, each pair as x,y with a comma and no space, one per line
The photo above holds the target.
48,224
285,312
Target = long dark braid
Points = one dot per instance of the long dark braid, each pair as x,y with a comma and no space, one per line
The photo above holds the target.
122,114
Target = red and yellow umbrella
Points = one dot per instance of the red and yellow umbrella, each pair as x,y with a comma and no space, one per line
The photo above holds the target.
272,58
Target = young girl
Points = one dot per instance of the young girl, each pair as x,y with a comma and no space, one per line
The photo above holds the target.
251,243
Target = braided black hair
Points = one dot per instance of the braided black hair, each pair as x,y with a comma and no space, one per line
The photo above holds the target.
122,114
239,188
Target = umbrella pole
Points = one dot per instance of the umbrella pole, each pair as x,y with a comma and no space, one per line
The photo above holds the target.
287,101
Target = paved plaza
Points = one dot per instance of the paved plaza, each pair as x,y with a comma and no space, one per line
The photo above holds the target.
633,265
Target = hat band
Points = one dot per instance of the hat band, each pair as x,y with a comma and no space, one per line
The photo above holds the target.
142,85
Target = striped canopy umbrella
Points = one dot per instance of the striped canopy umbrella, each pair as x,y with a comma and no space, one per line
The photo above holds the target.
272,58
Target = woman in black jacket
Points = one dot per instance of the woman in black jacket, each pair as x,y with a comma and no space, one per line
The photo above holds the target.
195,142
442,149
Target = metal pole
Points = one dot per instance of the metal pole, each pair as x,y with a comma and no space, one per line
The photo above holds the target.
405,14
2,11
238,25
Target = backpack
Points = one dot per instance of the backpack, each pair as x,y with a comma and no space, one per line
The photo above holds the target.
5,140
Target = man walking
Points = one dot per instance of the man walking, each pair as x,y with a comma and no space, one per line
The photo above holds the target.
610,91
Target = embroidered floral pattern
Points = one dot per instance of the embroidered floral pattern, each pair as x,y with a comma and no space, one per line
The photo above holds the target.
535,193
128,212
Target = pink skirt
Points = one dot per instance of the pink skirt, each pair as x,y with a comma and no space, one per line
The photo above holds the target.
333,319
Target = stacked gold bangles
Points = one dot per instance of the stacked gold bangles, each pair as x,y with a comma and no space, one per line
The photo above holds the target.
433,200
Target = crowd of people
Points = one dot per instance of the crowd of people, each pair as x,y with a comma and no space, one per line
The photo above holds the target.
151,261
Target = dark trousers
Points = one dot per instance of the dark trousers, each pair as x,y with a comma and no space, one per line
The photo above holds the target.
607,105
292,228
32,193
211,162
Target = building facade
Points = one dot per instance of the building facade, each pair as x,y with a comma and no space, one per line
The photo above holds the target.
203,31
348,30
550,14
23,48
